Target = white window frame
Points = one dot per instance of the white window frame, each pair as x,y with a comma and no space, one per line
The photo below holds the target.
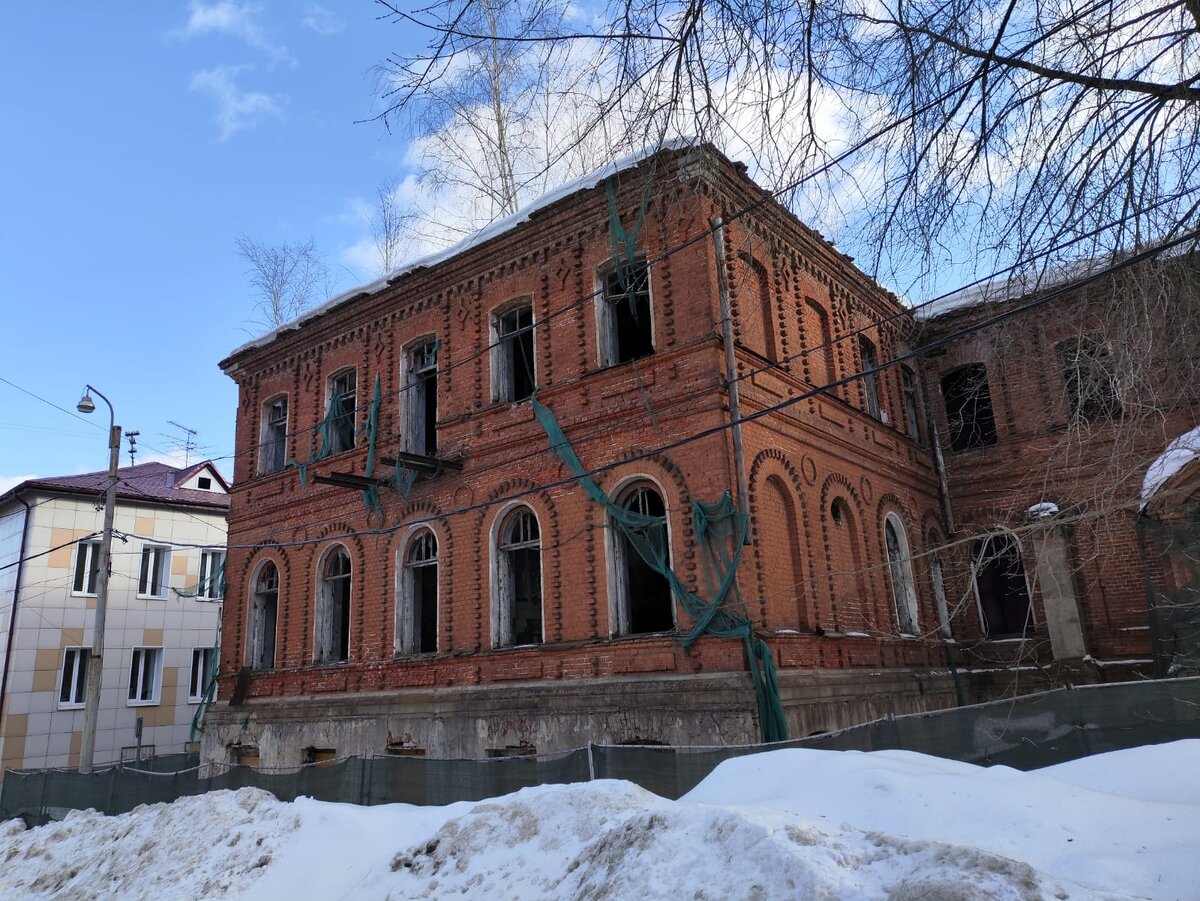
163,553
73,671
502,578
91,552
407,641
606,326
211,562
504,359
138,675
325,628
204,662
900,575
266,437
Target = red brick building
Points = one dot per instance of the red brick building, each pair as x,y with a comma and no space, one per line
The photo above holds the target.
431,579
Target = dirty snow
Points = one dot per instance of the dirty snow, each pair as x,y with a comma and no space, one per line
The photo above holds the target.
792,823
1044,510
1179,453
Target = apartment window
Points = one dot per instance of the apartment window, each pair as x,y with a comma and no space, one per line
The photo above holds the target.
969,407
87,567
870,385
420,399
908,385
1089,379
72,685
333,608
340,412
212,576
418,626
145,675
273,439
512,355
643,594
904,592
204,667
155,571
626,331
518,606
264,614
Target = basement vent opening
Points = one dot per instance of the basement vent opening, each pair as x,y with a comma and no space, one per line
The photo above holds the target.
522,750
320,756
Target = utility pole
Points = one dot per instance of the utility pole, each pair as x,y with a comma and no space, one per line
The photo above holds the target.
91,710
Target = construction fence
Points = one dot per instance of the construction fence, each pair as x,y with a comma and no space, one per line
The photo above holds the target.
1025,733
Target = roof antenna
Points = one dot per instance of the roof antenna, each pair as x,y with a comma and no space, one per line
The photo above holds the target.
133,448
189,442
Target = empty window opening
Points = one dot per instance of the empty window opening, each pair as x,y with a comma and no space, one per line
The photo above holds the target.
340,412
626,332
244,755
1090,381
87,567
643,601
212,576
204,483
155,571
420,399
1000,586
519,576
72,690
524,749
513,364
145,674
908,385
418,630
273,441
969,407
904,592
204,668
333,609
870,385
819,336
263,618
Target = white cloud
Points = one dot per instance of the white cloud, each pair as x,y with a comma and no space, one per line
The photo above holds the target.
9,482
237,20
322,21
237,109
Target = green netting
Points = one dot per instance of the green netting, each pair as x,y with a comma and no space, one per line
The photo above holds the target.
720,532
202,587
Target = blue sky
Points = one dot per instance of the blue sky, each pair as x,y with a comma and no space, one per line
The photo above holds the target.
140,140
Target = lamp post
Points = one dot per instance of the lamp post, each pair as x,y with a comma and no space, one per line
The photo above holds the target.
91,710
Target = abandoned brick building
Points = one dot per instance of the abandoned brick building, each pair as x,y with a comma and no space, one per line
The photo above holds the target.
414,565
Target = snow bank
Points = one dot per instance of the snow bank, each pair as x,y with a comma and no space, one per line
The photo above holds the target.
781,824
1179,453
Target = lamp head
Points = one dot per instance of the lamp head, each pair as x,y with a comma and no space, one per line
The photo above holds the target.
85,404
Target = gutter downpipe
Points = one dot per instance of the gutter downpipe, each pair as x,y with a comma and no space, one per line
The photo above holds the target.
12,619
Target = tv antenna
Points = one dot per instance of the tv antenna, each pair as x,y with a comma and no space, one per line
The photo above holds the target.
188,441
132,435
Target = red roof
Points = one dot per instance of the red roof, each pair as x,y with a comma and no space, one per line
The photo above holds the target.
145,482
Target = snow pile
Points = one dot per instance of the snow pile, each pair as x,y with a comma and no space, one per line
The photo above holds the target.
1179,453
782,824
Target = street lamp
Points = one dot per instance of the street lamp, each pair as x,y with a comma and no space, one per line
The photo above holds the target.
91,710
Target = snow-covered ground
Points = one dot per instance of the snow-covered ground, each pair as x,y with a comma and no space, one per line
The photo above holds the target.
781,824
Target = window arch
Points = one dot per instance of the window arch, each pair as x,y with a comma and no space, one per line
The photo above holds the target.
264,616
1000,585
781,543
847,581
417,607
333,608
641,594
517,607
904,592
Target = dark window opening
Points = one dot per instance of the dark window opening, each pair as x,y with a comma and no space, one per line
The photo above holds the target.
521,580
333,612
1090,380
627,333
969,407
421,400
73,686
515,377
420,634
908,384
274,436
644,594
870,385
204,483
1000,581
320,756
342,400
266,611
87,567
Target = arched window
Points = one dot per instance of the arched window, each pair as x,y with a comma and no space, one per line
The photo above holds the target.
904,593
417,626
333,608
518,605
1000,585
642,594
939,583
264,615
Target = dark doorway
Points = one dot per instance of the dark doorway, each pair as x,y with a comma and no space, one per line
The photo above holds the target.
1000,581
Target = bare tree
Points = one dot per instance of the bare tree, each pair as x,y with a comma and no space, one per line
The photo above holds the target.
287,278
389,225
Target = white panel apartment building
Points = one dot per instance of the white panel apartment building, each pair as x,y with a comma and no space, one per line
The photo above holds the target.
163,610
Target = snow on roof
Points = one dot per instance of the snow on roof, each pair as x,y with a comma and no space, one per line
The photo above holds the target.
1010,287
492,230
1179,453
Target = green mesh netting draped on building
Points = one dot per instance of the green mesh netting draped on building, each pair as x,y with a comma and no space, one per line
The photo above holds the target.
720,535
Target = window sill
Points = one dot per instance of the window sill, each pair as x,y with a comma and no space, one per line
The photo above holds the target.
421,655
633,636
153,703
85,594
80,706
151,597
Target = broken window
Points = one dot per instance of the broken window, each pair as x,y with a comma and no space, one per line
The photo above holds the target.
624,324
333,608
87,567
155,571
969,407
904,592
340,411
420,399
1090,380
643,595
870,386
908,385
512,355
263,618
1000,585
72,683
418,632
272,448
519,580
